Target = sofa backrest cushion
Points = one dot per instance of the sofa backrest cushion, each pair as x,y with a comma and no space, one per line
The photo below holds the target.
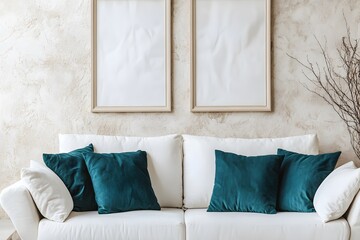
199,159
164,156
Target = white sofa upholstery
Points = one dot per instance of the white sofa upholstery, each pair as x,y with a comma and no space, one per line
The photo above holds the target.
179,219
18,204
353,218
202,225
165,224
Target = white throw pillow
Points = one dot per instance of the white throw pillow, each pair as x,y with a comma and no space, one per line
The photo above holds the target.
50,194
336,192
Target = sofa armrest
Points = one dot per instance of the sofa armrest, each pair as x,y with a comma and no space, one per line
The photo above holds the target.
353,217
20,207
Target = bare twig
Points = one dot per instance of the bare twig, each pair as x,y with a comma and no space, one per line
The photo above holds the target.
338,85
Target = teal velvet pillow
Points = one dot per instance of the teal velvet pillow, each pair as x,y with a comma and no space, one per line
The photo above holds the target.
71,169
121,182
245,184
301,175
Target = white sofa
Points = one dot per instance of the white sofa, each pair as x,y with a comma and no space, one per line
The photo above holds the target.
182,170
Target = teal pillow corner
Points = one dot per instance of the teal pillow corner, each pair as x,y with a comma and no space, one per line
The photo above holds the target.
71,169
245,183
121,181
300,177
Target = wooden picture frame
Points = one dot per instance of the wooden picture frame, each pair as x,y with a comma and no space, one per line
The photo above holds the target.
230,55
131,56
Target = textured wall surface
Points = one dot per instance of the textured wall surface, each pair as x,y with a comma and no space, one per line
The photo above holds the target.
45,80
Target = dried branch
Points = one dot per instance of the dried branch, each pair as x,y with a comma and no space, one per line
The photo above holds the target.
339,86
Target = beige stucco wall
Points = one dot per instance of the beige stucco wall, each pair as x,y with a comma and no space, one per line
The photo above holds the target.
45,81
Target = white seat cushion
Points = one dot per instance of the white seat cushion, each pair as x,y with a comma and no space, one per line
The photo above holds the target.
136,225
164,156
199,159
201,225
